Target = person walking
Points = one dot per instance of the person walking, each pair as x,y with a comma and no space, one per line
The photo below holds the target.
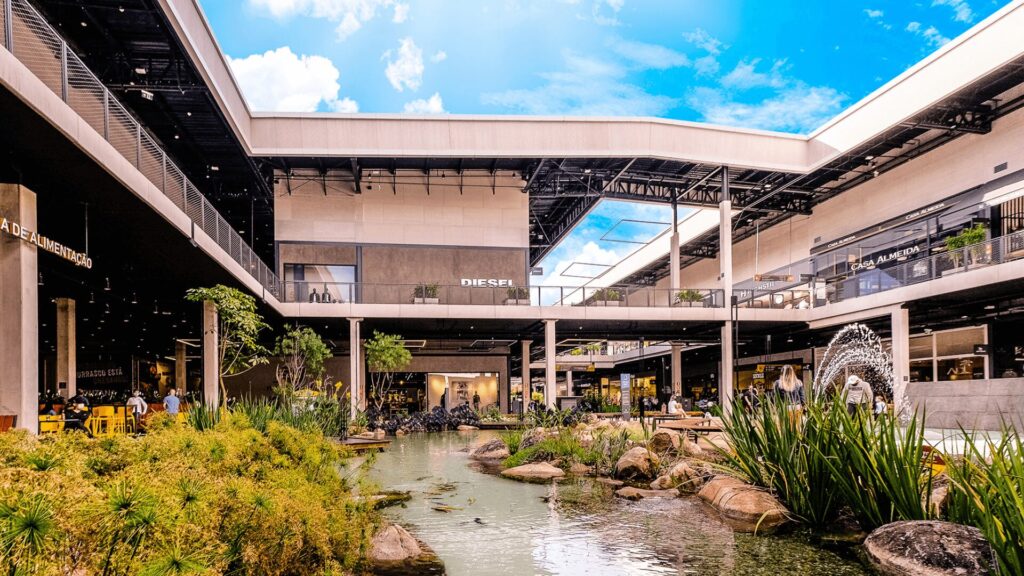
138,408
880,407
790,390
857,393
171,402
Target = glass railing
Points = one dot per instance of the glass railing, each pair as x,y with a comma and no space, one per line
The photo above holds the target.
991,252
27,35
634,297
796,298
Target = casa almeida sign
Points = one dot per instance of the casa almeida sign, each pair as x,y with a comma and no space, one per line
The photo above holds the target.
16,230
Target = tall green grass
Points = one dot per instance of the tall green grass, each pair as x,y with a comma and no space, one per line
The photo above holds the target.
513,439
564,446
987,491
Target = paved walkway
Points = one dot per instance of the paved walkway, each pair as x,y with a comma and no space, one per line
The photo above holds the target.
954,441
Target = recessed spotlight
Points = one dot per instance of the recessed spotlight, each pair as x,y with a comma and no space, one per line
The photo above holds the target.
189,114
176,137
83,24
990,307
869,158
140,70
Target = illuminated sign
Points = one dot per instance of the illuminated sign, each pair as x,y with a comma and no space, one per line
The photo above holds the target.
486,283
24,234
894,255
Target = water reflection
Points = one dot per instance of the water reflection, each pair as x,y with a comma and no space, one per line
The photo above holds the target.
495,526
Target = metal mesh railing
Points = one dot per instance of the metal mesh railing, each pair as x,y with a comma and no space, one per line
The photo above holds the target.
27,35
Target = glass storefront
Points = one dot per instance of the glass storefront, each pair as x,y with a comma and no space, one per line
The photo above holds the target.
320,283
949,355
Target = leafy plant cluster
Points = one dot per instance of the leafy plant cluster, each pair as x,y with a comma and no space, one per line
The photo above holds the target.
230,499
567,448
435,420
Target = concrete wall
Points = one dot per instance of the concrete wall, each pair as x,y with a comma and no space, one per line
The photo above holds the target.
476,215
972,404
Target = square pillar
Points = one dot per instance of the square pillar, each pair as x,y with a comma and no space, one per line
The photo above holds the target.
725,376
549,363
568,383
180,366
527,387
900,355
19,308
355,362
211,355
67,348
677,369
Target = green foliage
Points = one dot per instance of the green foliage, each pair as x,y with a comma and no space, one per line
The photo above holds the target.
491,414
203,417
426,291
518,293
689,295
880,468
239,328
513,439
230,499
385,355
302,353
607,295
987,491
967,237
608,446
564,447
324,415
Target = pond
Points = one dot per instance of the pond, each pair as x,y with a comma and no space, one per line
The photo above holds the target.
481,524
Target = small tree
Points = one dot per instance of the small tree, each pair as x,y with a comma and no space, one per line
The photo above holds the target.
302,355
385,355
239,327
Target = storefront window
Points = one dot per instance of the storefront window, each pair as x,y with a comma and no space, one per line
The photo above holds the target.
958,342
320,282
967,368
953,357
922,371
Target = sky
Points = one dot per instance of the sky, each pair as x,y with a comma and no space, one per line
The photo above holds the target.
785,65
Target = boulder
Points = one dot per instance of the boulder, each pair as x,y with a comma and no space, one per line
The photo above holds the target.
637,464
681,477
534,472
466,427
664,441
400,432
393,548
749,508
631,493
715,442
491,450
690,448
929,548
579,469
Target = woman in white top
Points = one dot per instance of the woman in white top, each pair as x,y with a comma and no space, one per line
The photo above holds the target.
673,406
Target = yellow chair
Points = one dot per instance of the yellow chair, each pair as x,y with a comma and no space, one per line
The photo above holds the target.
102,421
121,417
51,424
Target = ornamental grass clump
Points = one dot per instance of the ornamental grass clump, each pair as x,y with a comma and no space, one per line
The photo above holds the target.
987,491
229,499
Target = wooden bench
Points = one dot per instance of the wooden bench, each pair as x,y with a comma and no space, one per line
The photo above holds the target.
694,426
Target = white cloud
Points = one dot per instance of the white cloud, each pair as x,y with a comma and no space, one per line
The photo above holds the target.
586,86
432,105
706,65
874,13
439,56
961,9
796,108
615,4
745,75
406,70
701,39
401,13
649,56
931,34
349,14
281,81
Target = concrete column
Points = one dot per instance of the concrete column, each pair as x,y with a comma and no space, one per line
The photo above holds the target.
355,360
19,309
673,258
526,375
677,369
67,347
549,363
900,355
211,355
725,267
180,366
568,383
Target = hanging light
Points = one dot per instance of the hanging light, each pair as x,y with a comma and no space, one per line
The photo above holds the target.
134,299
92,299
41,279
156,309
106,308
107,287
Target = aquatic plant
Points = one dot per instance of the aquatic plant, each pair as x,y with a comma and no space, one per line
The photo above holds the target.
987,491
513,439
565,447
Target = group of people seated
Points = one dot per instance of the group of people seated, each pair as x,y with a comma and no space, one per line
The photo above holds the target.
77,411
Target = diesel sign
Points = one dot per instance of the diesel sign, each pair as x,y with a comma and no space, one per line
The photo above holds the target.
486,283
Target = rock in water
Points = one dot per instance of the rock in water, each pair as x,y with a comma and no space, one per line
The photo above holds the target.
637,464
394,551
535,472
631,493
929,548
664,441
466,428
492,450
747,507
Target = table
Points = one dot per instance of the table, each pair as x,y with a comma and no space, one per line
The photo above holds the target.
694,426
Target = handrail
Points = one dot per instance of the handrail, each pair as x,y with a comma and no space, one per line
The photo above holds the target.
30,38
313,291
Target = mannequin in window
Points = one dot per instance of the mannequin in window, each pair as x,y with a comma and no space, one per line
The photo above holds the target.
326,299
314,297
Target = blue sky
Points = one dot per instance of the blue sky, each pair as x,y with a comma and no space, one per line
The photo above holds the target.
783,65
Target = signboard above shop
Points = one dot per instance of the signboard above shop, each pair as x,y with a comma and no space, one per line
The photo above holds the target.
18,231
486,283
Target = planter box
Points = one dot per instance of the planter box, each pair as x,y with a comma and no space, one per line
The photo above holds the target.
606,302
689,304
426,300
517,302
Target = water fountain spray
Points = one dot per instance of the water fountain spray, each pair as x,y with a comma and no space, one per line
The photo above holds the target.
858,349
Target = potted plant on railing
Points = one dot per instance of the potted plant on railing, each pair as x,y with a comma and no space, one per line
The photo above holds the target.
425,294
689,297
972,239
606,297
517,296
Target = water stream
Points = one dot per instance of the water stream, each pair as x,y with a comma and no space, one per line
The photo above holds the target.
501,527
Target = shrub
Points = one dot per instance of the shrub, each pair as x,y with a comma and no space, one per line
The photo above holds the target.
513,439
564,447
986,489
